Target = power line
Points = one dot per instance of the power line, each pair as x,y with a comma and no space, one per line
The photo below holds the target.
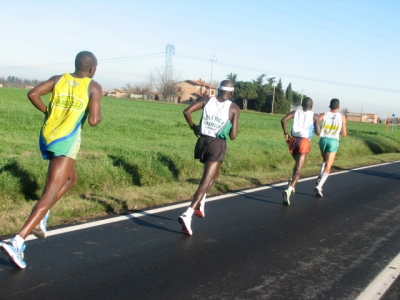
96,21
262,70
327,17
380,3
327,29
361,15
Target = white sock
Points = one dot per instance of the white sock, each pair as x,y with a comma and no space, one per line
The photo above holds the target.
323,179
189,212
322,169
290,189
20,241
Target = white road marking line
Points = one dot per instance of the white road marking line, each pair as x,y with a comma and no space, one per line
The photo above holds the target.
378,287
180,205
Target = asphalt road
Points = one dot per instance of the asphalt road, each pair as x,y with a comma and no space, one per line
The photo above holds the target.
249,246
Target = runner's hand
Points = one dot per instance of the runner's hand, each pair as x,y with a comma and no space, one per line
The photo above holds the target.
287,138
195,129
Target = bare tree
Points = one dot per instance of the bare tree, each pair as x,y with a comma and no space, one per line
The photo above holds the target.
129,88
344,111
164,81
143,88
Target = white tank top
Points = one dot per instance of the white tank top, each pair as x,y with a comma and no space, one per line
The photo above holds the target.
215,120
303,124
331,125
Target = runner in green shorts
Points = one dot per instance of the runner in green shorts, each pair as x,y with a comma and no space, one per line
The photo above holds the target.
333,125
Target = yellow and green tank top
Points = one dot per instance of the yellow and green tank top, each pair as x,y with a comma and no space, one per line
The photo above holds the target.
68,107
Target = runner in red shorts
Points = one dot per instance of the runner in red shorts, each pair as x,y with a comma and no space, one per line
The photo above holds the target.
305,123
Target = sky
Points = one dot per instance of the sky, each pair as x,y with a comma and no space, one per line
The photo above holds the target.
345,49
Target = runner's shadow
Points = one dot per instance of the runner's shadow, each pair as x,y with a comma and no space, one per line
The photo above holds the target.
103,201
7,263
377,174
193,180
132,170
139,221
253,181
29,186
125,211
169,163
260,199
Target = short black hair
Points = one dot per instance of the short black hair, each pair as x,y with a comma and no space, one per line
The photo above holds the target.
307,102
334,103
85,60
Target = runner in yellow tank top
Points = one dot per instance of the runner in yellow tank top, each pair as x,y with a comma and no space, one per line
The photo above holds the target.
61,132
73,96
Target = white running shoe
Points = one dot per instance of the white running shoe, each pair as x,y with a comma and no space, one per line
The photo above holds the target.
286,196
289,183
15,254
318,192
41,229
185,222
200,212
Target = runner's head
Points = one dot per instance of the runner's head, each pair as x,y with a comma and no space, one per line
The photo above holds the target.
225,89
86,63
334,104
307,103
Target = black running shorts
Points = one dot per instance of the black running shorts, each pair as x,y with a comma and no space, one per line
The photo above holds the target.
210,149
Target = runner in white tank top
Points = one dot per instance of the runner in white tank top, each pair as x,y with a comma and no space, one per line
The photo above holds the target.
333,124
305,123
215,120
218,122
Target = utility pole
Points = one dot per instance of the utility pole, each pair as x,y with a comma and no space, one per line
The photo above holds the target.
212,66
169,53
273,101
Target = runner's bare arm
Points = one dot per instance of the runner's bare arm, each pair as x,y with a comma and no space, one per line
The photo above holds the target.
96,92
192,108
343,132
46,87
317,127
234,117
285,119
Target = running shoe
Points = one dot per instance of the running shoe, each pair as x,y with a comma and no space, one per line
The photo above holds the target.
15,254
41,229
200,212
318,192
289,183
185,222
286,196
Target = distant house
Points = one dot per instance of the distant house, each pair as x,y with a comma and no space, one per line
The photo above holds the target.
191,90
154,96
29,87
116,93
362,117
135,96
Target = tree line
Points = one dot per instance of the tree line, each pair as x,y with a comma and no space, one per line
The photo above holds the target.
16,82
261,94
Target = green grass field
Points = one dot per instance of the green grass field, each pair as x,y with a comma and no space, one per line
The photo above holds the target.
141,156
